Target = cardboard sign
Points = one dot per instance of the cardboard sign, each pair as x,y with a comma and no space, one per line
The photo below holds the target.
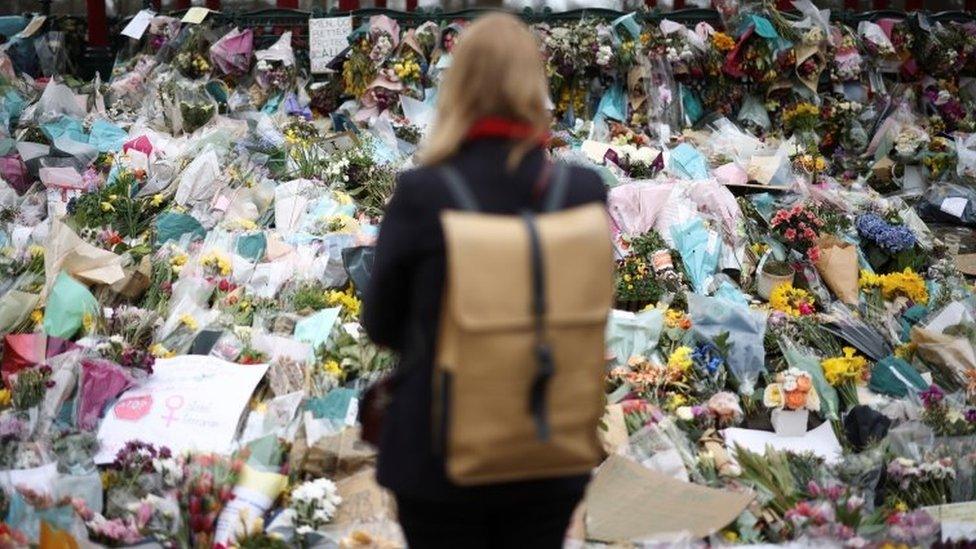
138,25
958,520
326,40
627,501
190,402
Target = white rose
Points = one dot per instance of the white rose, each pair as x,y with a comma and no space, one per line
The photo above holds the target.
684,413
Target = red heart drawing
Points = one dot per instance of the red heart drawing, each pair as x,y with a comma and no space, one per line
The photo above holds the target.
133,408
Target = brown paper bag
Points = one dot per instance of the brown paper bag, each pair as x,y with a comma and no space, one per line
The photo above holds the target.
838,268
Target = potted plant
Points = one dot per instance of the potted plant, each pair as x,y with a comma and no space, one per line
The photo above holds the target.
636,287
772,274
791,398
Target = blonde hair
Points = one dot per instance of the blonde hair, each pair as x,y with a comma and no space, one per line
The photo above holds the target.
496,70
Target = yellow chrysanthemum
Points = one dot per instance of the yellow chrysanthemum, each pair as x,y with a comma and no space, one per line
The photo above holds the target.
5,398
792,301
37,316
722,41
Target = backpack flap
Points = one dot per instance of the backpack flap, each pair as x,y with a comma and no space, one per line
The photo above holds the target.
489,269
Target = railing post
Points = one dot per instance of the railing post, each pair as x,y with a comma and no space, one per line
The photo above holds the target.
348,5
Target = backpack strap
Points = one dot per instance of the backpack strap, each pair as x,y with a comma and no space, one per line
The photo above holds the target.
459,189
543,353
556,197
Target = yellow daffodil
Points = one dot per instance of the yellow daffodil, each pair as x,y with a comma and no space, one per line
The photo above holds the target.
157,350
844,369
157,199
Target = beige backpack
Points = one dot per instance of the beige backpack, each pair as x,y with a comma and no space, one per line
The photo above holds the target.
518,377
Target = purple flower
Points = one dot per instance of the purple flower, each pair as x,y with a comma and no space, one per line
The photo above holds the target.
970,415
891,238
932,396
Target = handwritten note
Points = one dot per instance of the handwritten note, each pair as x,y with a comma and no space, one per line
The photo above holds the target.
138,25
190,402
326,40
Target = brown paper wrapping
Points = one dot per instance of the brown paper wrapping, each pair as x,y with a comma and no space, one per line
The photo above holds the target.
953,354
838,268
136,281
66,251
339,456
615,434
803,53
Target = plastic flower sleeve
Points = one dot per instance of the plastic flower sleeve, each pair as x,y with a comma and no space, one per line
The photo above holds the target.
809,363
633,334
699,249
713,317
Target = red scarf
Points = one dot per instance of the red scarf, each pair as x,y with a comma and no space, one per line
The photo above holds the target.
505,128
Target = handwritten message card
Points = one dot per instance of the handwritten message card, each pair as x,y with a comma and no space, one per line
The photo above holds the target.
190,402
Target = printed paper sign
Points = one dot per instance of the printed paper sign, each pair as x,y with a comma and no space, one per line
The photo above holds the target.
190,402
138,25
196,15
326,40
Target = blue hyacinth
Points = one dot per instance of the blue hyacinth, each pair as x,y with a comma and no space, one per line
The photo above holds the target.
890,238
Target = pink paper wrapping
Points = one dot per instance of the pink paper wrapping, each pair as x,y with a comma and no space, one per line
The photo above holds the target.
141,144
25,350
634,207
716,199
232,53
14,172
101,381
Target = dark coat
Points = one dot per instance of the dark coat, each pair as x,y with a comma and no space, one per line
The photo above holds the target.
402,307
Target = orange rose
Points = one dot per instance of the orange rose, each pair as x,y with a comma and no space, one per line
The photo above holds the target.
803,383
796,400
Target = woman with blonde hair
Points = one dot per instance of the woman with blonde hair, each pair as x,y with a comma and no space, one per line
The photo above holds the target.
491,128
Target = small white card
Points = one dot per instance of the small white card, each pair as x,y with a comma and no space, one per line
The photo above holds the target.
138,25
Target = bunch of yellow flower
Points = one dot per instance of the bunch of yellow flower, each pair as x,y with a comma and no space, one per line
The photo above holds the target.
157,350
792,301
216,261
5,398
177,262
347,300
674,318
35,251
680,359
190,322
722,41
37,316
408,69
332,368
907,283
845,369
811,162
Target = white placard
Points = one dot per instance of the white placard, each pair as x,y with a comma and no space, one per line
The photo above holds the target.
191,402
821,441
138,25
954,206
326,39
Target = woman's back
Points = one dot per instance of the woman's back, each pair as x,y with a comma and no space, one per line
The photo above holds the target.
403,305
